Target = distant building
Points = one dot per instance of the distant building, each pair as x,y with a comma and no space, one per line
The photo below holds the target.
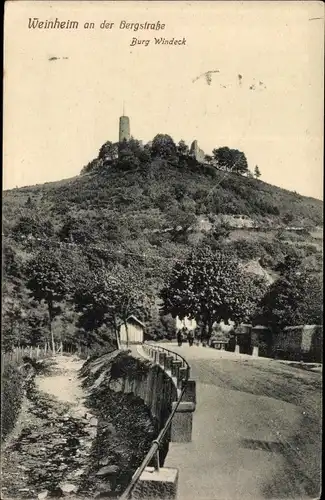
190,324
223,328
240,338
254,340
261,341
134,332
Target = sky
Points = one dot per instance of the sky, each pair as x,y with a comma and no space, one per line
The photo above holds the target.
64,89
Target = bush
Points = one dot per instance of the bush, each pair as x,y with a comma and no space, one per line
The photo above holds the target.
289,236
11,398
124,365
247,250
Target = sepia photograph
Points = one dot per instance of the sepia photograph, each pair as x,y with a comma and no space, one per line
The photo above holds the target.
162,250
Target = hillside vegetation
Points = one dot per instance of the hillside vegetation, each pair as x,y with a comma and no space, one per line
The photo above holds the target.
146,209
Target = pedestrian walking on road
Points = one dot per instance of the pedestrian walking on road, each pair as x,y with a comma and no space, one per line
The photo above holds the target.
197,335
190,337
180,338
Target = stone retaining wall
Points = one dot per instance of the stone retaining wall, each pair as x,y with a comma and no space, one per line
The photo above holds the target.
159,388
166,386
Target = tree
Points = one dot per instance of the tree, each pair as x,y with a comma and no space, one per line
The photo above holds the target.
182,148
181,221
290,266
33,225
211,287
145,154
208,159
257,173
108,152
163,146
35,326
230,160
217,236
77,230
29,204
47,283
132,146
93,166
294,299
109,298
130,154
12,317
288,218
11,262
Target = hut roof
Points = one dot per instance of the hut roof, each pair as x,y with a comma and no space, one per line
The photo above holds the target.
299,327
243,329
134,319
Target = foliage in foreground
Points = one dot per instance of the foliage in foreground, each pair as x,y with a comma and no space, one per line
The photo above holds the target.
11,398
47,283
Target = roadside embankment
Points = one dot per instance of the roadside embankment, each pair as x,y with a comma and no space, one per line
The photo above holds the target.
125,428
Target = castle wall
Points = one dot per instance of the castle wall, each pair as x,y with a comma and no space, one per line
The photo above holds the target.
198,153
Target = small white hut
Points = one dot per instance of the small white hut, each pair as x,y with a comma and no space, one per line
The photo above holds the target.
134,332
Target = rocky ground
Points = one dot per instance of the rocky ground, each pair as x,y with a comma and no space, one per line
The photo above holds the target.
49,451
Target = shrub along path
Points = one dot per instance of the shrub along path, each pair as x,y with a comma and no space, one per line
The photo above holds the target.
48,452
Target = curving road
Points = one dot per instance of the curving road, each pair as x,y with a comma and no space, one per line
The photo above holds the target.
256,429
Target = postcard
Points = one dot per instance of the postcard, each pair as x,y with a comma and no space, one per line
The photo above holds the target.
162,250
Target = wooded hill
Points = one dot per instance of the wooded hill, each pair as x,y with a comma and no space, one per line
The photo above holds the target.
147,211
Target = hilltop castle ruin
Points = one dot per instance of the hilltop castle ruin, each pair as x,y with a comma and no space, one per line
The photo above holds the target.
125,135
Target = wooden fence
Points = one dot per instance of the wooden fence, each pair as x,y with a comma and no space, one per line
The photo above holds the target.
15,357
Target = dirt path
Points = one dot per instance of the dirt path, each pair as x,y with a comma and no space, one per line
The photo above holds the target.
65,385
47,454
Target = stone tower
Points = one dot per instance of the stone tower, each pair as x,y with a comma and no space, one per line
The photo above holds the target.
124,129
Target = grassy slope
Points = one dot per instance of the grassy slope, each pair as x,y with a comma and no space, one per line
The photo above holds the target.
234,194
127,209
